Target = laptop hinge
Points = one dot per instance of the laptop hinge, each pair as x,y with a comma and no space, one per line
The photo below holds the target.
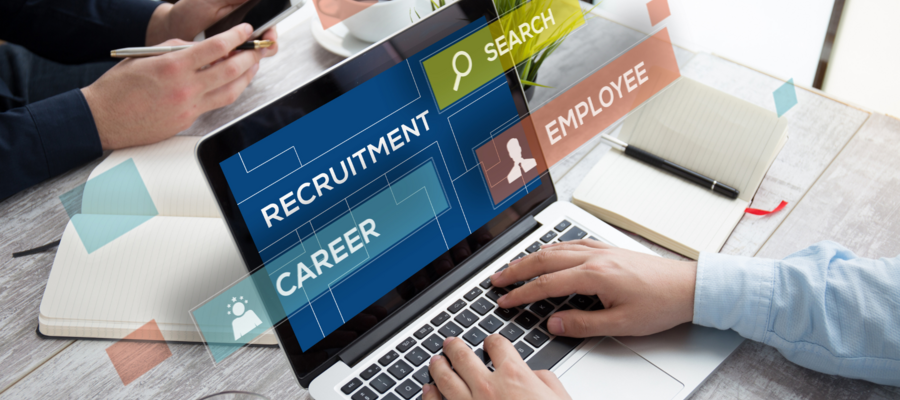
417,305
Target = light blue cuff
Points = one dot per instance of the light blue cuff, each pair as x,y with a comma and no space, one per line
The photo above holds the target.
734,292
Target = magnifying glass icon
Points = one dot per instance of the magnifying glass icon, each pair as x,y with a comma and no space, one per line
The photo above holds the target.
459,74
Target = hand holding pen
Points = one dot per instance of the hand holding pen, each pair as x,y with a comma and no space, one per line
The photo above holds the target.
145,100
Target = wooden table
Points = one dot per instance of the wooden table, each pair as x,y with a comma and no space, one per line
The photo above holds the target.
838,171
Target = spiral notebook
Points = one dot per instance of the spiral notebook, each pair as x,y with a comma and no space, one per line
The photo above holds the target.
704,130
159,270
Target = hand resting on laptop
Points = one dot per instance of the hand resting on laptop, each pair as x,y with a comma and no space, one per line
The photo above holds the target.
643,294
470,379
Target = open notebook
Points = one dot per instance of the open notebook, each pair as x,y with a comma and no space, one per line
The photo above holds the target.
159,270
704,130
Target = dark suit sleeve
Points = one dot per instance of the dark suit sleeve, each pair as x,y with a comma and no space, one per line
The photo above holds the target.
75,31
45,139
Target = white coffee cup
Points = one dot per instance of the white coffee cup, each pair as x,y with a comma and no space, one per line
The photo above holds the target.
381,19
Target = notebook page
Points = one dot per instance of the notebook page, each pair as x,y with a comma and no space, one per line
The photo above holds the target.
144,275
172,176
708,131
665,204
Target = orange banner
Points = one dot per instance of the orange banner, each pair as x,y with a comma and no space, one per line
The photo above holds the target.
139,352
508,161
576,116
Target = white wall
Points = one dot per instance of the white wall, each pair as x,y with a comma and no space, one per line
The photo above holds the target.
780,37
865,61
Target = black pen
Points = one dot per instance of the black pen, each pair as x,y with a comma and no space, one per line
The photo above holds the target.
159,50
676,169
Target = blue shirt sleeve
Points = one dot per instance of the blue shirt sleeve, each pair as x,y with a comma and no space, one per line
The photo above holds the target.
45,139
823,308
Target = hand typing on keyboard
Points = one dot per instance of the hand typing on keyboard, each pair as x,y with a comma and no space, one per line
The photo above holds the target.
642,294
469,378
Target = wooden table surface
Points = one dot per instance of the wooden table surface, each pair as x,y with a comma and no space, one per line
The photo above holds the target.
838,171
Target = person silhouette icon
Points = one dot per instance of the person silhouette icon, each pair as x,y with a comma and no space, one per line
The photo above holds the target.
521,164
245,322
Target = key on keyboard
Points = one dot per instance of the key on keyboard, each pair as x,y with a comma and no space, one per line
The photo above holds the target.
536,338
482,306
541,308
486,283
523,349
423,331
408,389
368,373
506,313
533,248
382,383
558,300
466,318
433,344
365,394
483,356
472,294
494,293
390,356
562,226
581,301
555,350
405,345
455,307
417,356
490,323
422,375
400,369
573,234
511,332
475,336
440,319
450,329
548,236
527,320
351,386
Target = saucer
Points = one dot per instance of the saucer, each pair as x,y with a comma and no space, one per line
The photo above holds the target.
337,39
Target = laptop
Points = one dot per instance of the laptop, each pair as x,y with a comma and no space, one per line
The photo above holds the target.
375,213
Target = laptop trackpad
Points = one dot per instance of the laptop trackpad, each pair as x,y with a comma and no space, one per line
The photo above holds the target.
612,371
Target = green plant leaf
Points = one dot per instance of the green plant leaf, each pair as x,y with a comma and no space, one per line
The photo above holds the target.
530,83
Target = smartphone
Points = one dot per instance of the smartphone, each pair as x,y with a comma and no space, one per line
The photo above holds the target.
261,14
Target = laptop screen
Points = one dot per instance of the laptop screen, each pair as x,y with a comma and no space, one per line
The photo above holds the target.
364,201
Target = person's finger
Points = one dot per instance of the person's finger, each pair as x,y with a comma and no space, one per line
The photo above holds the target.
430,392
539,263
447,380
580,324
555,284
216,47
228,93
553,382
229,69
271,34
465,362
174,42
589,243
502,352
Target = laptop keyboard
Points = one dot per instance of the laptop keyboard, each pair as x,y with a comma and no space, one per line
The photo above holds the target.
400,372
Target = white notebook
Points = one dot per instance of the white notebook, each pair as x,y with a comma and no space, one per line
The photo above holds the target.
159,270
704,130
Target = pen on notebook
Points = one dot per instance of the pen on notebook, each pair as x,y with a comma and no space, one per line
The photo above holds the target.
158,50
676,169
